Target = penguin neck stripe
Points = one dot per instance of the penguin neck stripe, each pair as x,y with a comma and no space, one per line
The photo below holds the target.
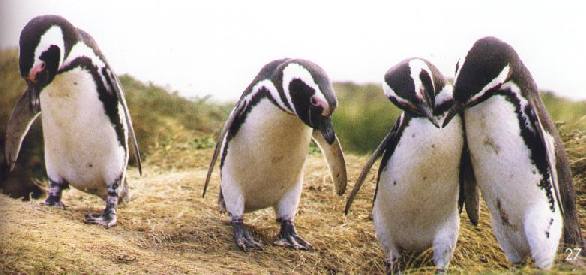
80,49
494,83
273,93
240,113
105,83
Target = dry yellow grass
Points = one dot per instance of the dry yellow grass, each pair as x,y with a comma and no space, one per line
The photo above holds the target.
169,228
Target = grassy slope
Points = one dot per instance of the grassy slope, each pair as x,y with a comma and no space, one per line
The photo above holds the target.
169,228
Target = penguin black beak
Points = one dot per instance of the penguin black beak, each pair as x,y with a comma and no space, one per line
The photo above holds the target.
425,110
456,108
327,130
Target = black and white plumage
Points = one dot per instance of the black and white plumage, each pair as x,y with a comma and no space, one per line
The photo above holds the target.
420,176
516,152
86,123
264,144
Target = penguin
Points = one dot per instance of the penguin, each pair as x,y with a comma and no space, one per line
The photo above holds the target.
517,155
85,119
418,192
264,144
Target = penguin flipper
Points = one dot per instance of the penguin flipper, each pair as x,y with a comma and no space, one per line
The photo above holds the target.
335,159
19,123
113,82
565,192
469,192
131,134
537,120
572,234
218,147
378,152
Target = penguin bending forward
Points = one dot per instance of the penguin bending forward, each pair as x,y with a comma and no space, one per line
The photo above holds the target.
86,123
423,169
265,141
517,155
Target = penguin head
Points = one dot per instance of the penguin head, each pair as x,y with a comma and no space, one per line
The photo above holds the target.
44,42
485,68
411,85
311,95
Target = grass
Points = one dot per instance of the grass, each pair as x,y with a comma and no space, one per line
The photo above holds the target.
363,116
168,228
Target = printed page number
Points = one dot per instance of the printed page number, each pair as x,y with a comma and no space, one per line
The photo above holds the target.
573,254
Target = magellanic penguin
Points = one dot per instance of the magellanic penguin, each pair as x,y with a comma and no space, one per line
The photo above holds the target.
517,155
264,144
85,120
419,180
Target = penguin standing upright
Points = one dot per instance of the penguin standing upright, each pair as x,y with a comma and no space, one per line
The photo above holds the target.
86,123
416,199
516,152
264,144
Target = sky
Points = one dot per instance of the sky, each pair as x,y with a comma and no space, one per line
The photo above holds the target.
216,47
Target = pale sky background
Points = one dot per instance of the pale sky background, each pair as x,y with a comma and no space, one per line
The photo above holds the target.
217,47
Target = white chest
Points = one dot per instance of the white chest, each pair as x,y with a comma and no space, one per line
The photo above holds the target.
418,190
81,145
265,158
425,157
500,157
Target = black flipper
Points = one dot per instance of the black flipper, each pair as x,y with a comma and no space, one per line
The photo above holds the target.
572,232
19,123
390,137
219,146
539,133
131,134
113,81
469,192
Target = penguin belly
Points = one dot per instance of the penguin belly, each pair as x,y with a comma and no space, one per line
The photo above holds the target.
264,160
418,189
81,145
523,222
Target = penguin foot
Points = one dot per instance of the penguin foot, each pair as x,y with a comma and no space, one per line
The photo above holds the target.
243,238
289,238
53,202
106,219
441,271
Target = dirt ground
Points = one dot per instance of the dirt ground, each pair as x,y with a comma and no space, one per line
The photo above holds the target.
169,228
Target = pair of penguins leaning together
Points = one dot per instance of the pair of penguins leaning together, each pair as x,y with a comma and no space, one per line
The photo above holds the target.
487,133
